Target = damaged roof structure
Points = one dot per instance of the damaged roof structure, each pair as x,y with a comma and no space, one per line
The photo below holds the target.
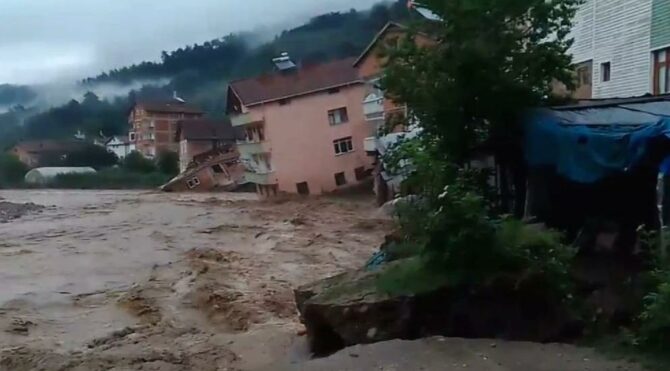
206,129
222,171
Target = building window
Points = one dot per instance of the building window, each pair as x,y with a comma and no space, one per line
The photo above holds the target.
344,145
340,179
605,71
338,116
131,136
303,188
661,66
193,182
218,169
583,75
333,91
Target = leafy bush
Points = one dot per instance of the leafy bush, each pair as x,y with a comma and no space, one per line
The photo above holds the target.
113,178
136,162
539,252
460,243
654,331
168,163
12,170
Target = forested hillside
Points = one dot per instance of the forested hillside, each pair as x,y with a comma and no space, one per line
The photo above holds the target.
199,73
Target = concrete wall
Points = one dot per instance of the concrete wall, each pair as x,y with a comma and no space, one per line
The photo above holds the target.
615,31
301,139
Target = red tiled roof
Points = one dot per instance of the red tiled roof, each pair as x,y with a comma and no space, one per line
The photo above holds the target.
205,129
171,106
305,80
376,39
48,145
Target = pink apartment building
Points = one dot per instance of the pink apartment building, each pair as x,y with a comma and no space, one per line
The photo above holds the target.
304,127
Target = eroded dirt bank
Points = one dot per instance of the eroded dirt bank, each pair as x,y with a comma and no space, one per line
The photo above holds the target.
123,280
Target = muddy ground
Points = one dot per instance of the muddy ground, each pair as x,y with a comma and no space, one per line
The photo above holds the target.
149,281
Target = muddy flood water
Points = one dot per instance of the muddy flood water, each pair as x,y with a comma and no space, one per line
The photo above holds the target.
148,281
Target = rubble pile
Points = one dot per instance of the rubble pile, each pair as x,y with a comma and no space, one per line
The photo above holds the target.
10,211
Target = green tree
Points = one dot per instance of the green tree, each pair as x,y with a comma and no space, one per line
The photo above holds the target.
168,162
491,60
12,170
94,156
136,162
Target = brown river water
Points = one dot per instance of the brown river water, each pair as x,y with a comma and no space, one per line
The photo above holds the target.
143,280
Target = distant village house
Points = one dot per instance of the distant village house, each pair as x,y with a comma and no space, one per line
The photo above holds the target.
45,152
154,125
119,145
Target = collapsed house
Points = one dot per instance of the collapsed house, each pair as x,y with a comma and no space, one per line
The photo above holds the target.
214,170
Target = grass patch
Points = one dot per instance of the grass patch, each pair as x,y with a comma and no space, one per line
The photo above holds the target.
620,348
113,178
410,276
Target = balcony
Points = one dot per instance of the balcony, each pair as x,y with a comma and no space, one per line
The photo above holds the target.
247,149
373,108
268,178
245,119
370,145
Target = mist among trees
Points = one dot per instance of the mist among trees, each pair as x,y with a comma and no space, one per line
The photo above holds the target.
199,73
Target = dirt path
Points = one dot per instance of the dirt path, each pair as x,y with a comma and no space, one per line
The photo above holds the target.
147,281
440,354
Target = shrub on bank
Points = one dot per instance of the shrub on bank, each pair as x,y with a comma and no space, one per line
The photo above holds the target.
654,330
12,171
113,178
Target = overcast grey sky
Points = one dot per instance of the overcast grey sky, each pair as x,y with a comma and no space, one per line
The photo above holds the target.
48,40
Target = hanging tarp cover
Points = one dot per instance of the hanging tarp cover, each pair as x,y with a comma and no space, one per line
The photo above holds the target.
586,145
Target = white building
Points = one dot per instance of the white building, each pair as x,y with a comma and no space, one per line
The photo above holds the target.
121,146
619,48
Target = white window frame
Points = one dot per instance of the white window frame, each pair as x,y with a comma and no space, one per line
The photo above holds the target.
660,85
348,146
193,182
602,71
335,116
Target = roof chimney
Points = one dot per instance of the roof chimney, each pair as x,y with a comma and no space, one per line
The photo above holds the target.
284,63
176,97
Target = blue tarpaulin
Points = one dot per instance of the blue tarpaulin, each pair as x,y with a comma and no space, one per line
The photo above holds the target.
586,145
